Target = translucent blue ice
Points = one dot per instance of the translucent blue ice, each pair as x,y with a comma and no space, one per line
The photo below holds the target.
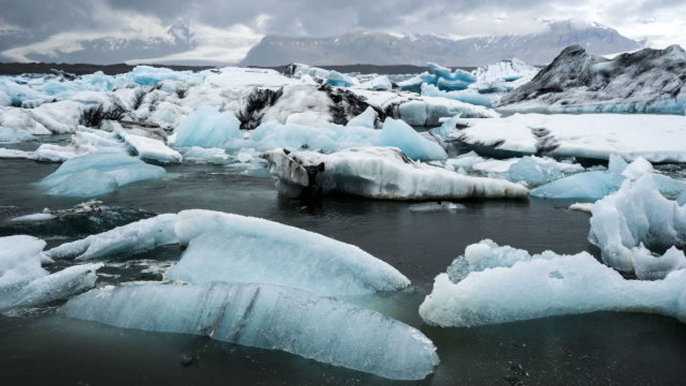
396,133
98,173
206,127
270,317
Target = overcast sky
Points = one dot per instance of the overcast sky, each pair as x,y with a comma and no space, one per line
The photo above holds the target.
228,28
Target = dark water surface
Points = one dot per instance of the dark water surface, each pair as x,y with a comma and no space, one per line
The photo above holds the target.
42,347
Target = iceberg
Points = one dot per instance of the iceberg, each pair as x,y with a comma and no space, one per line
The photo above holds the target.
380,173
657,138
399,134
269,317
522,287
23,282
98,173
366,119
467,96
236,249
149,149
598,184
208,128
126,240
630,223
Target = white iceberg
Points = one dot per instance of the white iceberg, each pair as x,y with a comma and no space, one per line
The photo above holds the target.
630,223
236,249
23,282
137,237
381,173
522,287
657,138
270,317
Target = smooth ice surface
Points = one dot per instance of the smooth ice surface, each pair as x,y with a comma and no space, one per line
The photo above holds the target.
137,237
522,287
98,173
399,134
270,317
237,249
629,223
208,128
657,138
381,173
150,149
23,282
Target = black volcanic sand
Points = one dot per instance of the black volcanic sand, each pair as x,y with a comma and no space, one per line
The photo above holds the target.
44,347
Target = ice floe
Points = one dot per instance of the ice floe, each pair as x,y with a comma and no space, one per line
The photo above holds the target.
503,284
270,317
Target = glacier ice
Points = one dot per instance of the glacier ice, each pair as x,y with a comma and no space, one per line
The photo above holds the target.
518,286
23,282
595,185
630,223
593,136
98,173
236,249
270,317
467,96
366,119
208,128
399,134
136,237
381,173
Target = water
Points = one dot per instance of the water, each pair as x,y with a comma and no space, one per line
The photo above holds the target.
41,346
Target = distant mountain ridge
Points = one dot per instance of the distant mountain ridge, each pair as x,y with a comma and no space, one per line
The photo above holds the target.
384,49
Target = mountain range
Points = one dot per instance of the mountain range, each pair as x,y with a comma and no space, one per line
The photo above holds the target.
384,49
377,48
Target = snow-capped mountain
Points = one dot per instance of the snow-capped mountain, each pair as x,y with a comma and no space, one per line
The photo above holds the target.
384,48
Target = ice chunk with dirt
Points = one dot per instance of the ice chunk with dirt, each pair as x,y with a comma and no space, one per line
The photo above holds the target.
149,149
636,220
381,173
98,173
270,317
399,134
657,138
523,287
236,249
23,282
123,241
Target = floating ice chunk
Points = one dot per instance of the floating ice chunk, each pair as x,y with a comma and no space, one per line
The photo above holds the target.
467,96
35,217
588,186
538,171
594,136
137,237
8,135
23,282
382,173
150,149
396,133
201,154
415,84
300,104
271,317
208,128
447,127
582,207
98,173
598,184
236,249
146,75
538,286
637,218
337,79
436,207
366,119
381,83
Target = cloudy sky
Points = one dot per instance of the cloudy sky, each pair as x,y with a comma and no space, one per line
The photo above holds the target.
225,30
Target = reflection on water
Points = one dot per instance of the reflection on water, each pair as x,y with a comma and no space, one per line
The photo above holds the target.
601,348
